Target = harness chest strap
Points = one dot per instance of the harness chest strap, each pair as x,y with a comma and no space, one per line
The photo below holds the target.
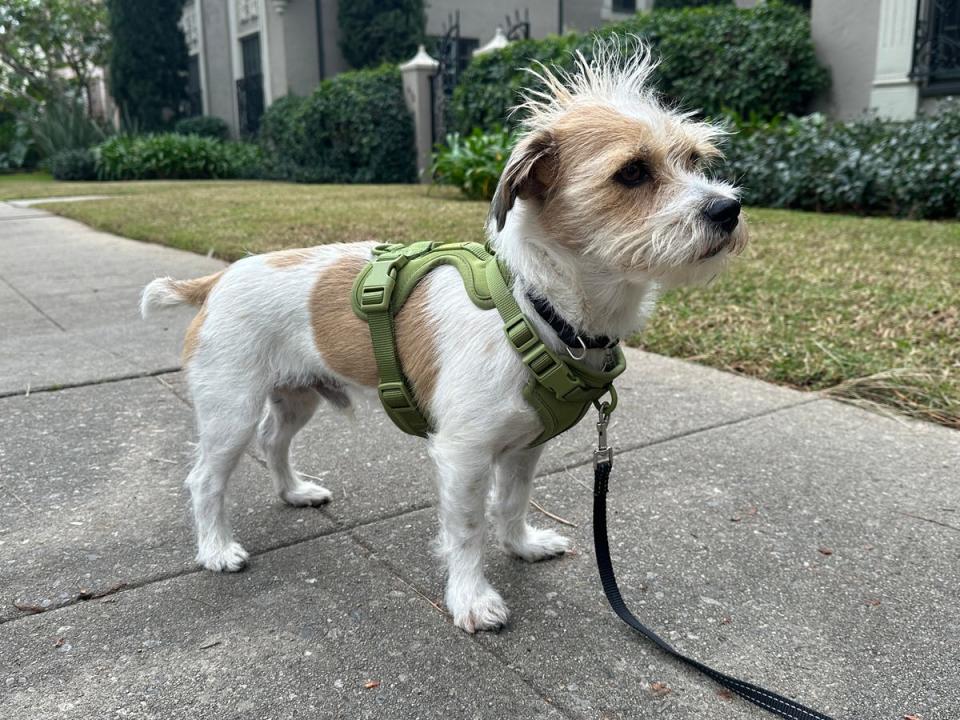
560,390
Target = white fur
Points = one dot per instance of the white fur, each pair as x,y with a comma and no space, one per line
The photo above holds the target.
157,295
256,368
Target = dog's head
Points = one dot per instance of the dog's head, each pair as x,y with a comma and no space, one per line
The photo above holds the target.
615,175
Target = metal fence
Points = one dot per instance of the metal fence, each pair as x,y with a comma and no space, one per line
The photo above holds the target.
936,49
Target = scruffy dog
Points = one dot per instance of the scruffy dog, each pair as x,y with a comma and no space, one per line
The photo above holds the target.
604,203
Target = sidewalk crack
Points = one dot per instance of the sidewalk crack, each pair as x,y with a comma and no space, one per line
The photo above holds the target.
31,303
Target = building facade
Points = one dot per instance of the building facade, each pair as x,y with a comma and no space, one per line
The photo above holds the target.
244,54
891,57
895,58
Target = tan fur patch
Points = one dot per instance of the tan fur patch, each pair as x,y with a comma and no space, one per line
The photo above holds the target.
343,339
416,345
195,291
192,338
592,143
285,259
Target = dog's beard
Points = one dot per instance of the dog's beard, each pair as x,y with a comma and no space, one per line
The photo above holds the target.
674,248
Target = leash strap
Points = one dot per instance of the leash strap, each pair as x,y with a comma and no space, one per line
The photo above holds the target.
765,699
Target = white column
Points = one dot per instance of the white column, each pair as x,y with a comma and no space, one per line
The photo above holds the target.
266,62
202,51
417,75
894,94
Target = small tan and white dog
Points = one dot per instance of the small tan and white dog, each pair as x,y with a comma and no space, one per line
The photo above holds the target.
604,204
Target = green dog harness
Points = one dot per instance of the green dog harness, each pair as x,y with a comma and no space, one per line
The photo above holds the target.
560,390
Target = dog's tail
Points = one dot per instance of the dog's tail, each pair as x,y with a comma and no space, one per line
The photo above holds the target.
167,292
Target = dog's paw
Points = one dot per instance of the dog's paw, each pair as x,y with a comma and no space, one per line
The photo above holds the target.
485,611
538,544
306,494
231,558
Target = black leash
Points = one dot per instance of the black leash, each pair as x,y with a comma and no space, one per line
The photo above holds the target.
603,463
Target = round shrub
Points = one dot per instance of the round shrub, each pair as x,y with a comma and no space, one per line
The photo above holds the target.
281,137
355,128
73,165
174,157
203,125
719,60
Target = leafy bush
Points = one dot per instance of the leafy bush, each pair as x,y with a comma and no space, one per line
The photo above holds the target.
473,163
203,125
281,137
16,144
355,128
77,164
715,59
909,169
170,156
676,4
63,124
871,166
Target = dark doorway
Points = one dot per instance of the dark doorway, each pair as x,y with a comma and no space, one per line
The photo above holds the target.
250,86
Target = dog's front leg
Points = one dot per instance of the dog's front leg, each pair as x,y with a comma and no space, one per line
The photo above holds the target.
463,476
514,482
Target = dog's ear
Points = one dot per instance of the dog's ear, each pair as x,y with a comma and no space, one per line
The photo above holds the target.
530,172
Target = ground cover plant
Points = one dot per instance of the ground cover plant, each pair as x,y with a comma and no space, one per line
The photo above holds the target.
864,308
874,166
870,166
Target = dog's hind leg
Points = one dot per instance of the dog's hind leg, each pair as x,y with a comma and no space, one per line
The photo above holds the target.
514,482
288,410
463,476
225,422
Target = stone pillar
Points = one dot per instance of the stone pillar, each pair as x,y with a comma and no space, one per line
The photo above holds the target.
894,94
417,78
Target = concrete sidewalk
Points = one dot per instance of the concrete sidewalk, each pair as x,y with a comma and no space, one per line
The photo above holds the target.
790,540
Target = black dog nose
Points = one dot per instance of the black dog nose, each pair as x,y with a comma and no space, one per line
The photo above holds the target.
724,213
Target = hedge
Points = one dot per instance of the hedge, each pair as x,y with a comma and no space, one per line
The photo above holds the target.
755,62
76,164
871,166
204,125
170,156
906,169
355,128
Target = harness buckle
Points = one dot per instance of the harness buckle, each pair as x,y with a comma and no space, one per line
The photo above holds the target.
378,286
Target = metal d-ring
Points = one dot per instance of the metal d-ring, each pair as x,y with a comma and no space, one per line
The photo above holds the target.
582,344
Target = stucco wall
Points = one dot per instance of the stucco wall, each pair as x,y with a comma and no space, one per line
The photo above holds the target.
480,19
581,15
333,61
300,39
845,38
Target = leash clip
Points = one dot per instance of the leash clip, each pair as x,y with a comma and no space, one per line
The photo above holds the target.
603,453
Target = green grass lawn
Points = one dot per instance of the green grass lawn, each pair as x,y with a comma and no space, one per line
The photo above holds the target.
865,308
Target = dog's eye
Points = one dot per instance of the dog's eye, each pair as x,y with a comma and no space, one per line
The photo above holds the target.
633,174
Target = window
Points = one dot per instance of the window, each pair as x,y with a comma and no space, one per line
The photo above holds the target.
194,91
936,50
624,6
250,86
